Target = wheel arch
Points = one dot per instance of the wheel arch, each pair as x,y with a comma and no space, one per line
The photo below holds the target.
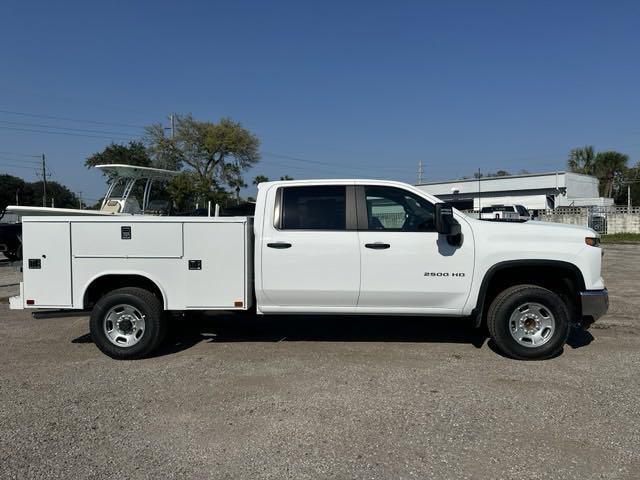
540,272
103,283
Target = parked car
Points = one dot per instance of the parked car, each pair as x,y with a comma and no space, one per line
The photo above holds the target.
364,247
505,213
10,240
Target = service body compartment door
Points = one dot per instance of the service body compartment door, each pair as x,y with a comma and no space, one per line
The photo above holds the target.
47,264
215,265
127,239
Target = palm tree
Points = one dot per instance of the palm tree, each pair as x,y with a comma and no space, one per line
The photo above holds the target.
582,160
260,179
608,166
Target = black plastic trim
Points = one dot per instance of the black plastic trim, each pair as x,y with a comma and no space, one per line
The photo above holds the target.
476,314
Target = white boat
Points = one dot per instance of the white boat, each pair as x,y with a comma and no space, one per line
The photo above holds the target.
126,182
120,199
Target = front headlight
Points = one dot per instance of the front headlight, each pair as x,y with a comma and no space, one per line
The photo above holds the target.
592,241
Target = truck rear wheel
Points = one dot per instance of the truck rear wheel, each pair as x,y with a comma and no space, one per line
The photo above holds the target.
528,322
128,323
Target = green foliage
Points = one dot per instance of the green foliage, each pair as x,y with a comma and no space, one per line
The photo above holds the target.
10,188
609,167
58,195
30,193
582,160
134,153
260,179
216,155
621,238
188,190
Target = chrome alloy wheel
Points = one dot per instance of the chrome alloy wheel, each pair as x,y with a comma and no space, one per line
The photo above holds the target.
124,325
532,324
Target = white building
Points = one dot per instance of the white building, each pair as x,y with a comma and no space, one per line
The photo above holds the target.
539,191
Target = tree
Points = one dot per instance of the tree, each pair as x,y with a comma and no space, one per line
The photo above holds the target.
610,168
286,177
134,153
260,179
582,160
11,191
502,173
187,189
58,195
217,153
26,193
238,184
629,184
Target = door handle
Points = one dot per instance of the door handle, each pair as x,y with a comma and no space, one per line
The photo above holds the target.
279,245
377,245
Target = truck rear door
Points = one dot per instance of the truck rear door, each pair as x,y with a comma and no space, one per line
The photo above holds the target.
310,255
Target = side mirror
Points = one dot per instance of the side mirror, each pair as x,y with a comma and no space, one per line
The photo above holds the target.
446,224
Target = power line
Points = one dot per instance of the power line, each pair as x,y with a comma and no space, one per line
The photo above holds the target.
335,165
67,119
302,167
18,160
38,125
20,154
63,133
3,164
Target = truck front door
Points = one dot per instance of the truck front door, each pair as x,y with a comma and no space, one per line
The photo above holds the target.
406,265
310,255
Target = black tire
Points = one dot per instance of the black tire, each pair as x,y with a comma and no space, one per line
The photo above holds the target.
154,319
506,304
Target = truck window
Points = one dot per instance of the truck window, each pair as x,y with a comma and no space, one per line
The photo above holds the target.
314,208
395,209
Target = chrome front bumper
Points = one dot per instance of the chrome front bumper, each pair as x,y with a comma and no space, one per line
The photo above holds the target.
595,304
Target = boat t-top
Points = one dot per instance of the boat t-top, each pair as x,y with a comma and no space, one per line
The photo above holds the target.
129,193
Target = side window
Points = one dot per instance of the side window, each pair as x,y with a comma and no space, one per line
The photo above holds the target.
314,208
395,209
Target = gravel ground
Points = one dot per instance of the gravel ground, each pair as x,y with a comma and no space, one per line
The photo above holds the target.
324,398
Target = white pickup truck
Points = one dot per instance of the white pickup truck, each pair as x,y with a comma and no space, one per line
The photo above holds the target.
317,247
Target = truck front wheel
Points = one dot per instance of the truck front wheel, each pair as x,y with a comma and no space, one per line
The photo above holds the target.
128,323
528,322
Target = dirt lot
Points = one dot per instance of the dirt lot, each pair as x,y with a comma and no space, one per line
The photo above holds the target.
323,398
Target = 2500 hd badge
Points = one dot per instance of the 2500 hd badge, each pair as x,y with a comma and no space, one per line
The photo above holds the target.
444,274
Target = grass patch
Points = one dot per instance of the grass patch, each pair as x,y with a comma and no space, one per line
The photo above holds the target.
621,238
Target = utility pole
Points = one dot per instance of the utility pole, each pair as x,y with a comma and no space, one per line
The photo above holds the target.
479,199
173,125
80,200
420,172
44,181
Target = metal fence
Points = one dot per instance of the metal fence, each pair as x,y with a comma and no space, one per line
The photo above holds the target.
604,220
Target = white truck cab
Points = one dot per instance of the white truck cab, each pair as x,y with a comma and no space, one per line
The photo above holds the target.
318,247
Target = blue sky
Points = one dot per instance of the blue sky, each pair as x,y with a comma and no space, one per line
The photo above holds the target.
359,89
